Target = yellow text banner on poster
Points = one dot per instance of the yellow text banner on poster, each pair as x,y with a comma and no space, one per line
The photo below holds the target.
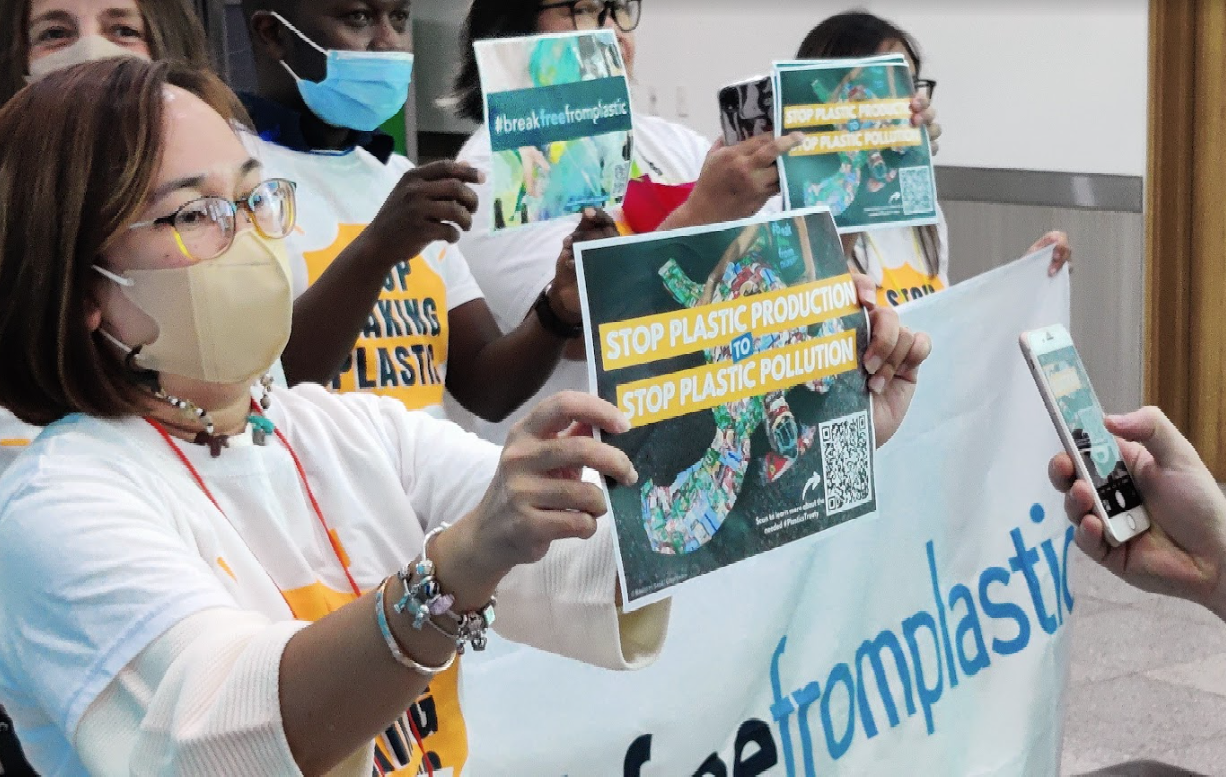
819,115
665,335
671,396
860,140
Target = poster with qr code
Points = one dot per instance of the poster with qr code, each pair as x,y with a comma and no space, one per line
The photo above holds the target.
736,352
557,108
861,157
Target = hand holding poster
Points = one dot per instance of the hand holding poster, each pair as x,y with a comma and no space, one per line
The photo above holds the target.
861,157
932,639
558,112
735,350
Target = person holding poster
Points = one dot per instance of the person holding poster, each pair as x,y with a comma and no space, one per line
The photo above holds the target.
371,257
909,262
67,32
196,583
678,178
735,352
861,157
558,113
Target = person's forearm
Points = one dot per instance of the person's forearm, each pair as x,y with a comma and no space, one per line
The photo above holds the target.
507,371
340,685
331,313
691,213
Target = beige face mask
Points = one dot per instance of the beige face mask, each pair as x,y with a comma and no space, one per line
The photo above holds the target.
86,49
225,320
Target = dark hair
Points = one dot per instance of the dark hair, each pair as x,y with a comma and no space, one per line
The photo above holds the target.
174,30
861,34
855,34
488,19
70,182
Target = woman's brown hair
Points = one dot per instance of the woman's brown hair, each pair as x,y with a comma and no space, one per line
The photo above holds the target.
174,31
79,152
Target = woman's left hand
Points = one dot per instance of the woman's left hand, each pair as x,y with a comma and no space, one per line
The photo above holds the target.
924,115
892,361
1062,255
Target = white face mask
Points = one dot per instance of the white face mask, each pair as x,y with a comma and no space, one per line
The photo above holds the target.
225,320
86,49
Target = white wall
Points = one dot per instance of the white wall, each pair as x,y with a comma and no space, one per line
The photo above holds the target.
1022,84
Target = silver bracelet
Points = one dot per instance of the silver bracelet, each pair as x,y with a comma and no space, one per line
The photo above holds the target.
428,672
423,599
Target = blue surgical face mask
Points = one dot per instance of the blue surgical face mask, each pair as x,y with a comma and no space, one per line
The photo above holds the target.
361,89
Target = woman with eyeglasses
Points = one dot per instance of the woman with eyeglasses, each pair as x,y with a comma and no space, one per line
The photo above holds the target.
672,164
910,262
41,36
201,576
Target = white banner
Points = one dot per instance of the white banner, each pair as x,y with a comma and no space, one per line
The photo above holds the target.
929,639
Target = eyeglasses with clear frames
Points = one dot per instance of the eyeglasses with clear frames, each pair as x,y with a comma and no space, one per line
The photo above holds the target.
592,14
205,228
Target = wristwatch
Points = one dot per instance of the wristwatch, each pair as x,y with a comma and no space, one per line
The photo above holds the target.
551,321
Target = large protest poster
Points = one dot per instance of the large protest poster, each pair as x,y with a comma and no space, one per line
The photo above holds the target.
558,112
861,157
931,639
735,351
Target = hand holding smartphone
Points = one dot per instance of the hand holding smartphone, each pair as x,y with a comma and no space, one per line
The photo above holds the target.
1074,409
747,109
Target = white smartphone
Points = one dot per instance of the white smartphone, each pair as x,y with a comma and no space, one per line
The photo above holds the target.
1074,409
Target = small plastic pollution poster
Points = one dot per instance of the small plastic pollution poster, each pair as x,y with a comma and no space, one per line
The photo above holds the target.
861,157
736,352
558,112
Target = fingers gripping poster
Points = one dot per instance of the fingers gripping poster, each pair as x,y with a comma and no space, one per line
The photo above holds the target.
735,350
861,157
558,112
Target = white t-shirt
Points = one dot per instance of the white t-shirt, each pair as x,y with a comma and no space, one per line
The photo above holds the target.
894,259
402,352
513,266
14,437
107,542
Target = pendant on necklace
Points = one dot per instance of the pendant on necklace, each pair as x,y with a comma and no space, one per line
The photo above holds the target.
215,442
261,427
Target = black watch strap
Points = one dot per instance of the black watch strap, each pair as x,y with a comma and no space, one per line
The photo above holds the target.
551,321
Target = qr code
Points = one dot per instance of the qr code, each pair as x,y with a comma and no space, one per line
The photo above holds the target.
621,179
916,186
847,462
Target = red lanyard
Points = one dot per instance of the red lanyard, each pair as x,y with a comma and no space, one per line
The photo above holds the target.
319,513
332,538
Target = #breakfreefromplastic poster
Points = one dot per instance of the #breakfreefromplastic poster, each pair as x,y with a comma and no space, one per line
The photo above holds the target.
736,351
861,156
558,112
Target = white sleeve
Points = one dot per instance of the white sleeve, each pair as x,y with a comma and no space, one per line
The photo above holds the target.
461,286
113,576
202,699
444,470
562,604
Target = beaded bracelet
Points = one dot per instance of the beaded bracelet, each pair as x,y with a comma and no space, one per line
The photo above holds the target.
393,645
423,598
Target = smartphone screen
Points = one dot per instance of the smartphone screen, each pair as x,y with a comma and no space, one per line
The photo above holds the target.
1070,387
747,109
